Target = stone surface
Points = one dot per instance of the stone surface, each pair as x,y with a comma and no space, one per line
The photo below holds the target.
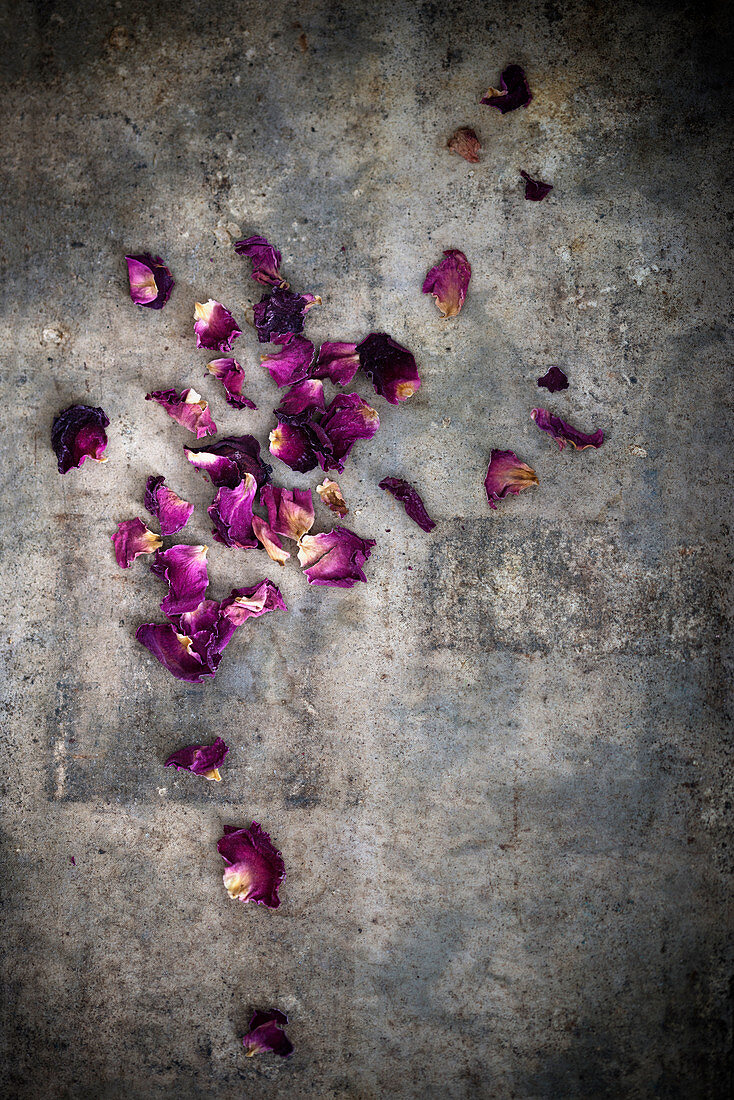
498,771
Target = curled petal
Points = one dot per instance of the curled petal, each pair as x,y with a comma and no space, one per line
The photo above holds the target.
513,91
228,460
232,376
334,557
270,541
410,499
300,446
215,327
184,567
151,282
188,409
390,367
448,282
265,260
203,760
302,402
78,433
282,314
563,433
169,509
252,602
255,868
339,362
290,511
292,364
266,1034
174,651
348,418
231,513
331,496
131,539
535,190
507,474
466,144
554,380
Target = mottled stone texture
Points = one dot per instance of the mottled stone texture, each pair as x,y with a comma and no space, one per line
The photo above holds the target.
497,772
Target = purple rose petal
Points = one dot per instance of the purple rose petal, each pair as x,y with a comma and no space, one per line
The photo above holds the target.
204,760
347,419
292,364
184,567
232,376
169,509
554,380
231,513
290,511
282,314
448,282
513,91
270,541
227,460
507,474
174,651
255,868
215,327
339,362
390,367
78,433
188,409
410,499
265,260
334,557
151,282
563,433
131,539
535,190
266,1034
302,402
300,446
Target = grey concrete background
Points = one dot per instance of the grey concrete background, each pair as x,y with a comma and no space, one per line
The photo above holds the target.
498,771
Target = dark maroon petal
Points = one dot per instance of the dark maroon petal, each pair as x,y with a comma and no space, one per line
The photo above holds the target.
281,314
232,376
174,651
554,380
292,364
188,409
151,282
265,260
448,282
563,433
507,474
266,1034
215,327
410,499
535,190
252,602
390,367
331,496
466,144
347,419
302,402
231,513
131,539
171,511
290,511
513,93
184,567
227,460
203,760
300,446
338,362
78,433
255,868
334,557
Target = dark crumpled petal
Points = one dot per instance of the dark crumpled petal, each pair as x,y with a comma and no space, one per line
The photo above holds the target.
465,143
231,513
535,190
513,91
174,651
232,376
151,282
265,260
410,499
78,433
302,402
184,567
563,433
255,868
347,419
554,380
448,282
131,539
292,364
300,446
203,760
334,557
266,1034
507,474
215,327
339,362
188,409
227,460
331,496
270,541
390,367
290,511
282,314
169,509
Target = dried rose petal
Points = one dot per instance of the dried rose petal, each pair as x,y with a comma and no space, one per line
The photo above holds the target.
448,282
282,314
302,402
266,1034
252,602
78,433
466,144
169,509
231,513
188,409
389,366
232,376
174,651
535,190
215,327
331,496
131,539
410,499
270,541
203,760
507,474
300,446
184,567
334,557
554,380
347,419
228,460
513,93
255,868
292,364
290,511
265,260
338,362
563,433
151,282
